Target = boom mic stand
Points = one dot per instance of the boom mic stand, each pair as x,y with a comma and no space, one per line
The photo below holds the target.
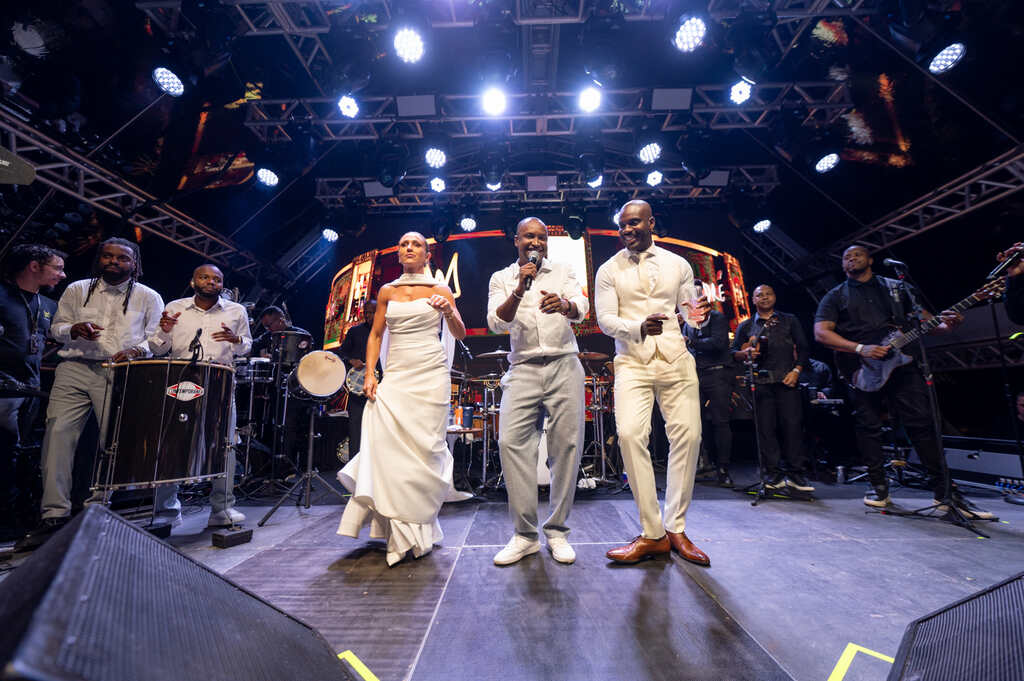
953,513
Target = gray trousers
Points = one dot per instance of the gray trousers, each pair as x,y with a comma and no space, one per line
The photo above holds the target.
79,389
529,391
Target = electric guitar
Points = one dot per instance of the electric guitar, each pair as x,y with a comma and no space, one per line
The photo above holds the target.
355,378
872,374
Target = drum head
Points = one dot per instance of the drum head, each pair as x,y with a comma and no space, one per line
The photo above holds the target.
321,374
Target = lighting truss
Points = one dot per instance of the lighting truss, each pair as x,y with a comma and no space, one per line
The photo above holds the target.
417,197
981,355
71,173
168,17
551,114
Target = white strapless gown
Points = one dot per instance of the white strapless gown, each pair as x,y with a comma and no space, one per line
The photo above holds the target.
403,472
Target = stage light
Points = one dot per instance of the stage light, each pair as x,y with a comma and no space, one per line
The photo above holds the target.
168,82
494,102
467,223
589,99
827,162
574,220
330,235
762,226
408,45
493,186
267,177
435,157
947,58
690,34
440,223
348,106
740,92
596,182
393,163
649,153
438,184
654,178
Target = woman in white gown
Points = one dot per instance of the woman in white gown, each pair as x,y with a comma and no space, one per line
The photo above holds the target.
403,471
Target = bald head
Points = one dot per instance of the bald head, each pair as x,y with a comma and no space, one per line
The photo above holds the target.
636,225
531,235
525,223
641,206
209,268
207,281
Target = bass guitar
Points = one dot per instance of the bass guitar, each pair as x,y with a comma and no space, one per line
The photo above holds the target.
872,374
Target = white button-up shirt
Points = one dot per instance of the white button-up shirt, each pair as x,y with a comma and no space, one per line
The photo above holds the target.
533,333
121,330
193,317
622,304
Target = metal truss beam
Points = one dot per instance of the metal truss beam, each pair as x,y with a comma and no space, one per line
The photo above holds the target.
993,181
416,196
73,174
550,114
984,355
167,16
790,11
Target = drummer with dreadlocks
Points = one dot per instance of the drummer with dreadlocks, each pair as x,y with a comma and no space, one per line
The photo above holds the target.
103,319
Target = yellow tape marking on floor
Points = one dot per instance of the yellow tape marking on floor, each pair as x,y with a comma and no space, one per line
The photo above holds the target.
846,659
357,664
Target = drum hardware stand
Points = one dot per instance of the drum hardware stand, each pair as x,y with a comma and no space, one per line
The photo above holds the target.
308,475
597,410
953,514
488,410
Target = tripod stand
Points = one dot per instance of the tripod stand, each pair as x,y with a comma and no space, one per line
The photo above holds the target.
308,475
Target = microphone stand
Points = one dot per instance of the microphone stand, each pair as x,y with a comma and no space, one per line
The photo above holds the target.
953,513
758,489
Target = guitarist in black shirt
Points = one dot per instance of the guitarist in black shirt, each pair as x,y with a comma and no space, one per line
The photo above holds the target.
353,351
778,343
852,319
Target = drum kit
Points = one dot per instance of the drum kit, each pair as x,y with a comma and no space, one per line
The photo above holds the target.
476,402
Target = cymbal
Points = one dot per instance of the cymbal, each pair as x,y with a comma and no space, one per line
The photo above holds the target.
587,356
486,378
493,354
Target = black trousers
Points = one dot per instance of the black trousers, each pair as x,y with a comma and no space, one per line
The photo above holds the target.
907,396
779,412
715,405
355,423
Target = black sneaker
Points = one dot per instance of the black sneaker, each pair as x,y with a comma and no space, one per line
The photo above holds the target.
878,497
799,482
724,479
40,533
777,481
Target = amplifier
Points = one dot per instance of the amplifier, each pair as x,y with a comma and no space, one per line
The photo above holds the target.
986,461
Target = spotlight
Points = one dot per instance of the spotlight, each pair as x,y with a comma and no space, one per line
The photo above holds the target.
493,186
494,101
435,157
393,163
590,158
168,82
699,154
690,34
947,58
438,184
827,162
348,106
589,99
408,45
649,153
762,226
467,223
654,178
596,182
747,38
440,223
330,235
492,163
267,177
740,92
575,223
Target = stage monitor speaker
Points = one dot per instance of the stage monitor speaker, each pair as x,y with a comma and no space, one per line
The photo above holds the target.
14,169
103,600
978,638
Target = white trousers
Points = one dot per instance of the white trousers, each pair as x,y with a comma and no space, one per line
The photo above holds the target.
674,386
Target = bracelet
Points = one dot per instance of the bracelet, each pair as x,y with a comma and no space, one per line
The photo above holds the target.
517,295
859,347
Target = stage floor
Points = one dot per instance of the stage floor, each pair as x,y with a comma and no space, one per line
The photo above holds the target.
790,587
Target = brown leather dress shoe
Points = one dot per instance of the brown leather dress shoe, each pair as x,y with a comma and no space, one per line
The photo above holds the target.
639,549
686,548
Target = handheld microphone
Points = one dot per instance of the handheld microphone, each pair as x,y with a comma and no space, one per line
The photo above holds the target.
894,263
194,345
1006,264
469,355
532,257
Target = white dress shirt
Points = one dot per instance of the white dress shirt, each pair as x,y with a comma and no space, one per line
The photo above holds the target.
623,304
533,333
192,318
121,330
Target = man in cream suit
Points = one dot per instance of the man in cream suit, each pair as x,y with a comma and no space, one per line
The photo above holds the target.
636,291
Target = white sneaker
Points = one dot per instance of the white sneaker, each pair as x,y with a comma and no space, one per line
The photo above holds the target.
561,550
517,548
225,518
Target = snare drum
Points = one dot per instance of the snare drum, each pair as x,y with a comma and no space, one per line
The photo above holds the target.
250,370
319,377
169,421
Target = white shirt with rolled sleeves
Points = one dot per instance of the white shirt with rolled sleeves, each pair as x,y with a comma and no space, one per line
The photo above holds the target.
121,329
622,305
193,317
533,333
